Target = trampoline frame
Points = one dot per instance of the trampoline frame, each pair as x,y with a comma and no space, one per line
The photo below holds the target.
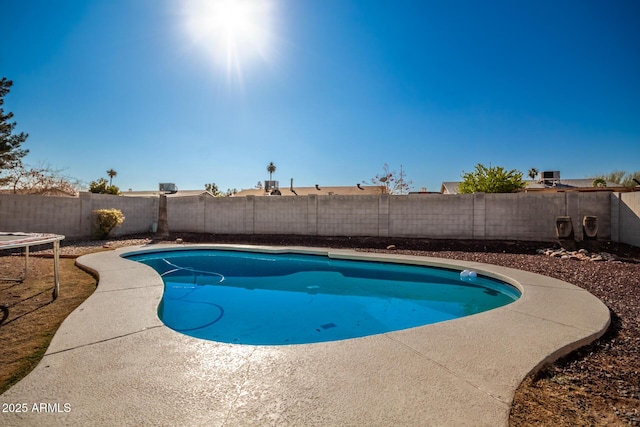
13,240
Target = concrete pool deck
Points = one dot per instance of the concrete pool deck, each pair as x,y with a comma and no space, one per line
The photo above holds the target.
113,362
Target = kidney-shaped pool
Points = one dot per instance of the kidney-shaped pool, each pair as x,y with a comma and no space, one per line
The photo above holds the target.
286,298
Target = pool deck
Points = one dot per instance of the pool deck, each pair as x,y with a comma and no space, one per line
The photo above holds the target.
113,362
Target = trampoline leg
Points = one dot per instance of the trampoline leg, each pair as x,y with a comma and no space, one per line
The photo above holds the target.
26,261
56,268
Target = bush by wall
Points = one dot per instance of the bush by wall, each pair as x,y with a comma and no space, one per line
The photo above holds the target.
107,220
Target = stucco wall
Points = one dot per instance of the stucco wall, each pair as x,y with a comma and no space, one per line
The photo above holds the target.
625,217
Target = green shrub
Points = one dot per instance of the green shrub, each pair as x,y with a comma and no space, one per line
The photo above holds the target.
102,187
492,179
107,220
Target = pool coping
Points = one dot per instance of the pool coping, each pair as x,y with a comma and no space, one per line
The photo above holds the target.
114,361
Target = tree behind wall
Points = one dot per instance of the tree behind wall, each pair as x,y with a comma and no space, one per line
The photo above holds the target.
391,182
213,189
42,180
111,173
492,179
271,168
10,152
625,179
101,186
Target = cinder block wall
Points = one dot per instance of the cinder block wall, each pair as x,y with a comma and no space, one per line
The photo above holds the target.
521,216
435,216
186,215
598,205
348,215
526,216
38,214
140,213
280,215
72,216
228,215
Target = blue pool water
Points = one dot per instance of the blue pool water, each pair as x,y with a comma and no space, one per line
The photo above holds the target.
276,299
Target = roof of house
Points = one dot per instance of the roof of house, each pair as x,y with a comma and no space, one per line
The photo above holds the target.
568,183
179,193
320,190
450,187
559,185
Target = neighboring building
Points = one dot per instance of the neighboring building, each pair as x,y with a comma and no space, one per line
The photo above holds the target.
168,189
181,193
571,185
551,182
157,193
450,187
319,190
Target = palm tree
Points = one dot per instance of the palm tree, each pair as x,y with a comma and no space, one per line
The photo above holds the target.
533,172
112,173
271,168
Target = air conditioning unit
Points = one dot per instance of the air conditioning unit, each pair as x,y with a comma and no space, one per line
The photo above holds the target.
549,177
168,187
271,185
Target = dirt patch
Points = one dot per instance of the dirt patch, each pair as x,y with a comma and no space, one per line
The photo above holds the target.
596,385
29,316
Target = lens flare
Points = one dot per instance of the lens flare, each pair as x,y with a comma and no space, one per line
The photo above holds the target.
233,33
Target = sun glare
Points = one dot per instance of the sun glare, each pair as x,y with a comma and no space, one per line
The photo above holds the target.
231,32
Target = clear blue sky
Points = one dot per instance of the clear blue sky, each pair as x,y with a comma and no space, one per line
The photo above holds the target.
328,90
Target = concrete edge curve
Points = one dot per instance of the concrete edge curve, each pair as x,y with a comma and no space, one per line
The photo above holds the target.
460,372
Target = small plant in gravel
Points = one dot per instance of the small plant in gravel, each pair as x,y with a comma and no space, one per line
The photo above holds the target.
107,220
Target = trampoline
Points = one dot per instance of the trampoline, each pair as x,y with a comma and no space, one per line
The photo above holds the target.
15,240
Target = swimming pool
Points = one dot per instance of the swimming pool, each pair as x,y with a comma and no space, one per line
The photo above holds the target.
288,298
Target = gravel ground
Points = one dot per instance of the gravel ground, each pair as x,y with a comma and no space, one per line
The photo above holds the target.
596,385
